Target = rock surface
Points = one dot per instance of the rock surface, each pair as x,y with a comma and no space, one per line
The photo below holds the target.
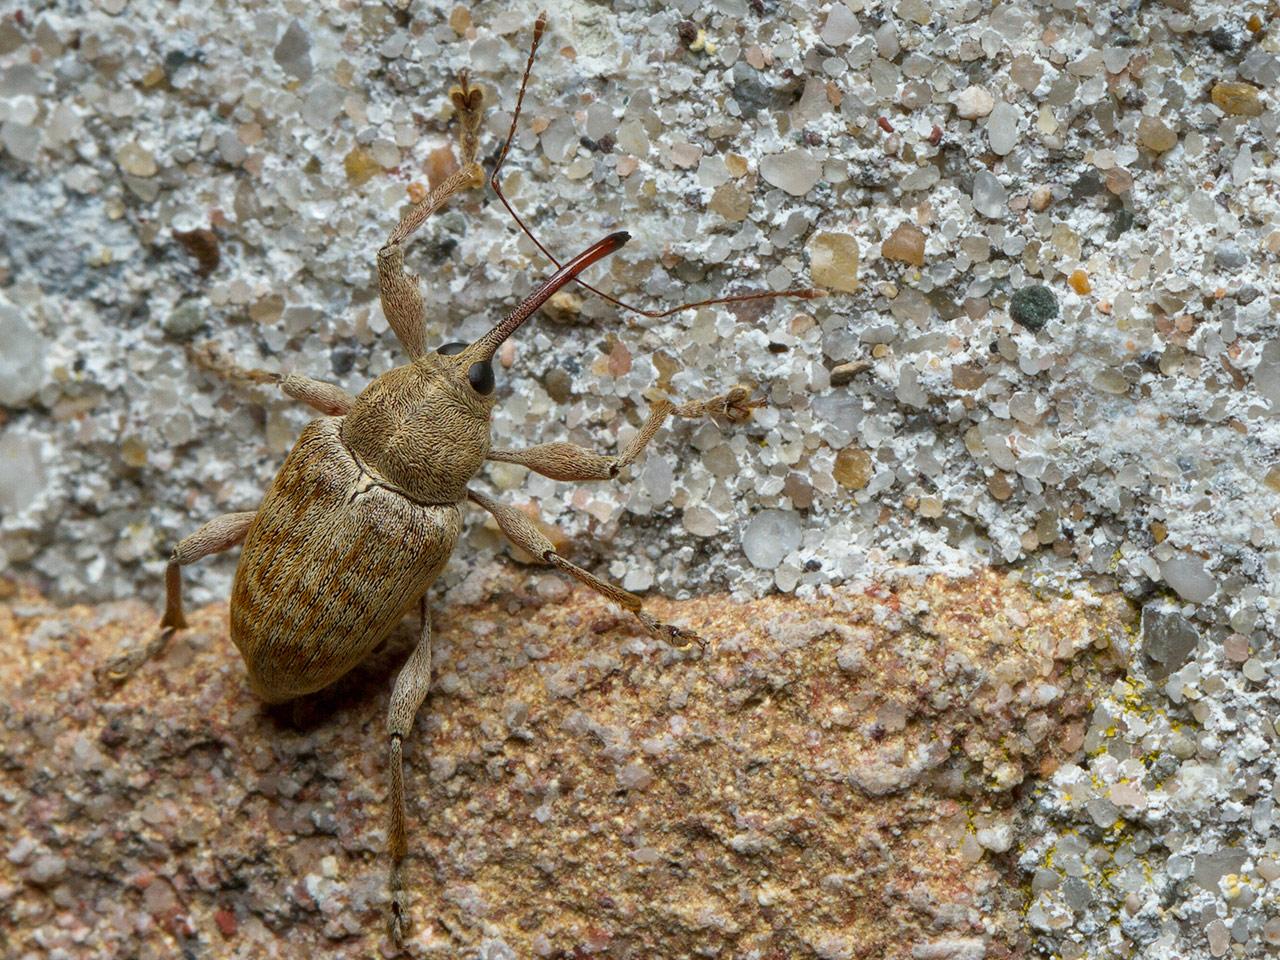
177,175
835,779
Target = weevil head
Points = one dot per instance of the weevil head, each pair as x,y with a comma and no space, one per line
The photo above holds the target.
425,426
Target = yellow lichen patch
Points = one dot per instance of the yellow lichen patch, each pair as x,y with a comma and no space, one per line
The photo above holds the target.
360,166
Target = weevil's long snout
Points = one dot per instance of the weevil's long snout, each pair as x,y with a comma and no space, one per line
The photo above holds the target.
484,348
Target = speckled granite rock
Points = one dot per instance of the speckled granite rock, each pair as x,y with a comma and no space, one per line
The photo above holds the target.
836,779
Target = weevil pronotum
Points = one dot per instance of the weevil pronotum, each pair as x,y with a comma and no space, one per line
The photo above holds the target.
368,505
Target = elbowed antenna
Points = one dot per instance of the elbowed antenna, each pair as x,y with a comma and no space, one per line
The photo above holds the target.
484,348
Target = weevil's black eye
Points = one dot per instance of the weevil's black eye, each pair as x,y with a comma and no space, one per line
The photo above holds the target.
449,349
480,376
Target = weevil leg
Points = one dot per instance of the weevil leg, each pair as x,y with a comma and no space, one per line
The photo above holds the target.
220,533
326,398
401,298
568,461
412,685
519,529
468,102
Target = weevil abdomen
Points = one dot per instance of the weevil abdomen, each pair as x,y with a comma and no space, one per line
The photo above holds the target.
332,561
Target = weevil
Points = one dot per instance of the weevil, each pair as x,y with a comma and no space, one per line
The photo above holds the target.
368,504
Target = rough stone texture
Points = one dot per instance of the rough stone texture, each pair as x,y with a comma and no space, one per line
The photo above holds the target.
178,173
836,778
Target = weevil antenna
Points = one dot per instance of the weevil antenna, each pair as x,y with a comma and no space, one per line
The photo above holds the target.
539,28
484,348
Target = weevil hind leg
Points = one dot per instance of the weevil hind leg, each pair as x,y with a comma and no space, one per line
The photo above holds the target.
412,686
519,529
401,298
567,461
220,533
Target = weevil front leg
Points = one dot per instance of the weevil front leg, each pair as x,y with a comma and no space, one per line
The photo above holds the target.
520,530
568,461
326,398
401,298
412,686
220,533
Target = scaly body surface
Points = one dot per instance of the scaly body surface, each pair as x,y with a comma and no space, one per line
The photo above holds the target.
333,560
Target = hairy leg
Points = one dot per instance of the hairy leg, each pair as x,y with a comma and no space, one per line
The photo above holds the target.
326,398
401,298
568,461
412,685
520,530
220,533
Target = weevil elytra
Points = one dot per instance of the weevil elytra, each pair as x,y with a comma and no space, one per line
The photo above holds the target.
368,505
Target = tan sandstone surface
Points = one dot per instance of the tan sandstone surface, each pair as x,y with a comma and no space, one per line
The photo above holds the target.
837,777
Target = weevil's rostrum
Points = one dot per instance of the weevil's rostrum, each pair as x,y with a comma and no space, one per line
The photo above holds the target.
368,505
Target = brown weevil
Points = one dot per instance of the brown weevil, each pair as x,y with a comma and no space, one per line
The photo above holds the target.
368,505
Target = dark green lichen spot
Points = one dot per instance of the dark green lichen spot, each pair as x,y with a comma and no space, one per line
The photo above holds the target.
1033,307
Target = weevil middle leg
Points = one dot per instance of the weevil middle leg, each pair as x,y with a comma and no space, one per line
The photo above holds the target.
568,461
326,398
